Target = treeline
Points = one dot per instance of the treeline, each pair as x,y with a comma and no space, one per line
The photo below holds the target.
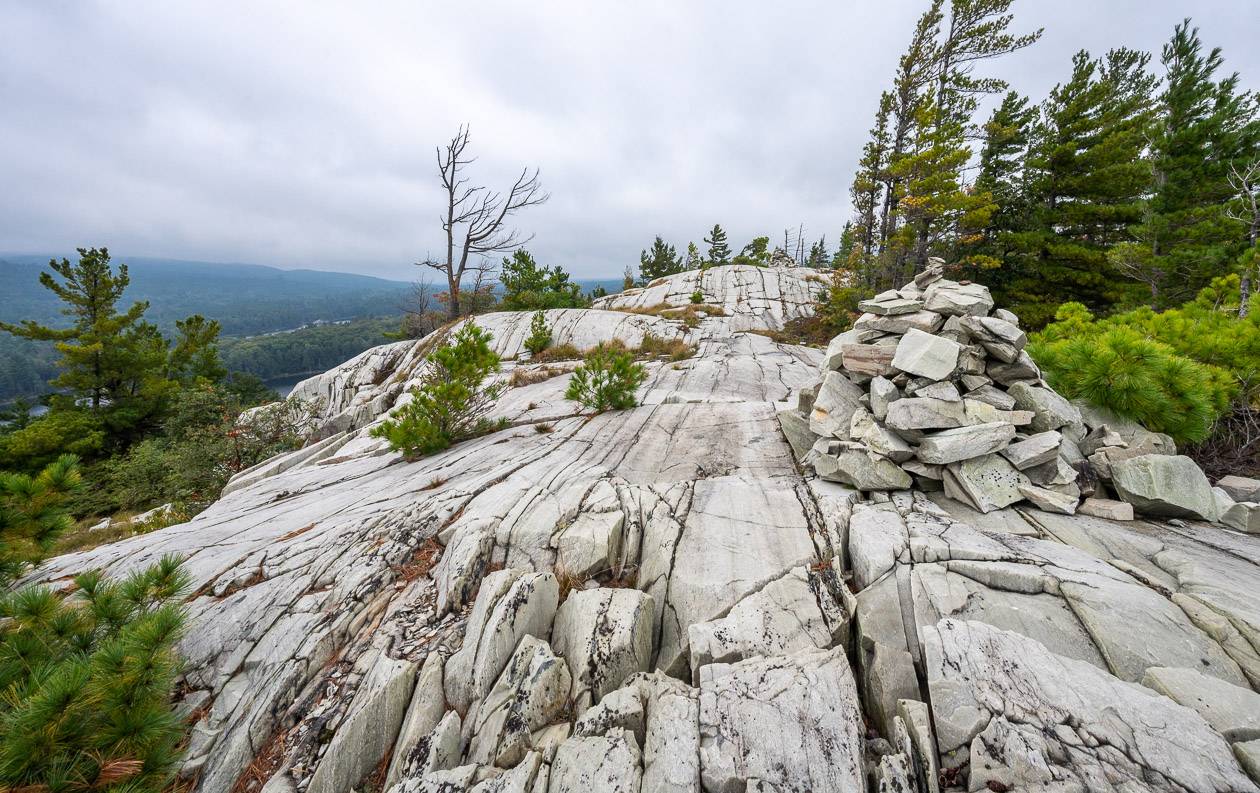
1133,182
312,349
663,258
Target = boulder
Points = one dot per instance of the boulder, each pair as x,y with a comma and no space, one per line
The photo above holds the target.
1021,370
991,396
871,359
1034,450
1165,485
985,483
900,324
833,410
1243,516
1051,411
926,355
610,763
870,433
1050,500
890,306
954,299
883,393
962,443
1240,488
796,429
909,414
1106,508
856,465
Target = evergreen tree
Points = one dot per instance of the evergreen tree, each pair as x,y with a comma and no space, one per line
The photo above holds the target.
529,287
33,514
976,31
99,347
938,210
755,253
86,683
867,190
848,244
693,261
661,261
1006,243
719,251
1088,177
195,353
818,256
1185,237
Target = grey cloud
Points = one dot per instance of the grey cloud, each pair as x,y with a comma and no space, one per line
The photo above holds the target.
302,134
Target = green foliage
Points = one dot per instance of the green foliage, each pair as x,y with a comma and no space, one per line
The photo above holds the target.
33,514
86,683
697,297
719,250
606,380
539,334
837,305
660,261
451,402
1175,371
316,348
202,443
528,287
76,431
755,253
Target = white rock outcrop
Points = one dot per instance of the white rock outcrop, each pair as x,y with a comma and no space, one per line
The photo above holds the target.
692,595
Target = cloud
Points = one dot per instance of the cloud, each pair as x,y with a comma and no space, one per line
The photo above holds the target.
302,134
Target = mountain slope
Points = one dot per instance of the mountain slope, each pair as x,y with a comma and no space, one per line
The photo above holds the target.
661,598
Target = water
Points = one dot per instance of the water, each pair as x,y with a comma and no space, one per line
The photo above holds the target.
283,386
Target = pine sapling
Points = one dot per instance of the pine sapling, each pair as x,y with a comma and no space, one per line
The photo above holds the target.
606,380
539,337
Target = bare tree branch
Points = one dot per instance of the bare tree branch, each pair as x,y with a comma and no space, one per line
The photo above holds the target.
475,220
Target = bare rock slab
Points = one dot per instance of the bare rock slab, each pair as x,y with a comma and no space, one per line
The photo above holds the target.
606,636
1031,719
963,443
791,722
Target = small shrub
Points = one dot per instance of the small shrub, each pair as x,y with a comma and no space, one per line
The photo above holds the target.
837,305
543,428
87,681
606,380
1139,378
33,514
697,297
452,400
539,334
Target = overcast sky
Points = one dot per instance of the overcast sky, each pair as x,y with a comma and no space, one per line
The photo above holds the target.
301,134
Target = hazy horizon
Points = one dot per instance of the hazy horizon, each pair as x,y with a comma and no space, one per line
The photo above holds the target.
302,137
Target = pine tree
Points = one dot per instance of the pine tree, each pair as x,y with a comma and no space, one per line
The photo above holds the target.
1185,237
1006,243
529,287
938,210
1087,176
755,254
195,353
99,345
867,190
976,31
693,261
719,251
33,514
86,682
818,256
661,261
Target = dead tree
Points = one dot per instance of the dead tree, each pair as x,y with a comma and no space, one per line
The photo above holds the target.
1246,184
475,219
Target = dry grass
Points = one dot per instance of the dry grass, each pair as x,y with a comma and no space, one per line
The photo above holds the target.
672,349
568,581
544,428
559,352
422,560
802,331
82,538
523,377
435,483
264,765
690,314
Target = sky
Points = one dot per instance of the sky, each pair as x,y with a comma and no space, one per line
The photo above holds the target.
302,134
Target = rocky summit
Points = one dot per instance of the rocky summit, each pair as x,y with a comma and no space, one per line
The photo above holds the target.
903,563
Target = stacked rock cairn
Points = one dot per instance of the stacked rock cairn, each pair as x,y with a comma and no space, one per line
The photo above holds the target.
932,389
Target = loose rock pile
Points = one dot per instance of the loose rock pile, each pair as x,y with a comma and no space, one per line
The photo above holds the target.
932,389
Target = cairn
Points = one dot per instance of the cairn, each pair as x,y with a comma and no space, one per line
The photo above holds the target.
932,389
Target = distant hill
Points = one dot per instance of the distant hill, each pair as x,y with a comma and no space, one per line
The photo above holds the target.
246,298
